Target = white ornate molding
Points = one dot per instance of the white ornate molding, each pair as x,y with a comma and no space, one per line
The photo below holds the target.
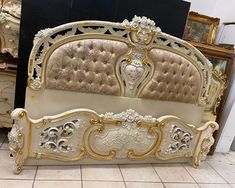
16,139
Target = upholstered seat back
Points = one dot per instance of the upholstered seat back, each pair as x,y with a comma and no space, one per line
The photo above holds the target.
174,78
89,66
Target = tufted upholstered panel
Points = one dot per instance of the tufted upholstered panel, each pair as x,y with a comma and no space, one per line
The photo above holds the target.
174,79
85,65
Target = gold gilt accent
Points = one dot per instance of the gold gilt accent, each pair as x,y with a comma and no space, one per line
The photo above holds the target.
40,155
16,145
97,126
153,128
223,85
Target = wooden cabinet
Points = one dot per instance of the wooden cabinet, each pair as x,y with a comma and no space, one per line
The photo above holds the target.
9,38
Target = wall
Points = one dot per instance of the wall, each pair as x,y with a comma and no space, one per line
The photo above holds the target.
223,9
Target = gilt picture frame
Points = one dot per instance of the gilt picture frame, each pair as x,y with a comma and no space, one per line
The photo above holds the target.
201,28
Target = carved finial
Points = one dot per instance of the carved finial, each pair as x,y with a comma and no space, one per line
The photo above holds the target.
41,34
142,29
142,23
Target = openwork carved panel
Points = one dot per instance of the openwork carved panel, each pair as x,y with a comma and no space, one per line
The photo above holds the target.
58,139
178,140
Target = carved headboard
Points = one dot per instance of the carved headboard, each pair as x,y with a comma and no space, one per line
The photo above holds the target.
131,59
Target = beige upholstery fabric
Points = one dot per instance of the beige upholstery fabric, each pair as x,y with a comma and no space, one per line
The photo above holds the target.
174,79
86,66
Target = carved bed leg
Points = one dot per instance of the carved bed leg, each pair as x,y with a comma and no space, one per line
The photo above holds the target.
18,138
205,141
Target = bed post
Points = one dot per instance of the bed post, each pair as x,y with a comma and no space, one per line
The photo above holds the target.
19,138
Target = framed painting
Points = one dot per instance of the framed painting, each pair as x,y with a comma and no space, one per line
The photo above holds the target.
200,28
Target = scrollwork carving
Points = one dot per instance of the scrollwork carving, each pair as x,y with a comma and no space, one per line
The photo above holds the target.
57,139
128,139
16,144
180,140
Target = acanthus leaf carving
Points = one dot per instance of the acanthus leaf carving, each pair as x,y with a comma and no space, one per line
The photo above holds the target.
57,139
16,144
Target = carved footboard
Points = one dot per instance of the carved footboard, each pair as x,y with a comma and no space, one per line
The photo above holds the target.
82,134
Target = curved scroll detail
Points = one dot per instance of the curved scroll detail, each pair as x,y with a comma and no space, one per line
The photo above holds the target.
206,140
123,135
16,139
178,139
57,138
83,134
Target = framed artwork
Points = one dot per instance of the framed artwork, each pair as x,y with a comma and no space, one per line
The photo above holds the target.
200,28
219,64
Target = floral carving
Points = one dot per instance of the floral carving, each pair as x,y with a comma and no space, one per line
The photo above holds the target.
143,27
143,23
127,137
16,144
128,116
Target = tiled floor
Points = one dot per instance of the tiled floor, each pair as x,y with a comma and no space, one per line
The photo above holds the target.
217,172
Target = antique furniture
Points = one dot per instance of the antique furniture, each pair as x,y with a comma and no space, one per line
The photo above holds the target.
9,38
201,28
7,89
103,92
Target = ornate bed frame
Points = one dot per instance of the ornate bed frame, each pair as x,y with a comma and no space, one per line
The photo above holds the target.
83,70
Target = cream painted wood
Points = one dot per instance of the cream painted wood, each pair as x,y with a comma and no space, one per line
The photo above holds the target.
7,95
190,113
